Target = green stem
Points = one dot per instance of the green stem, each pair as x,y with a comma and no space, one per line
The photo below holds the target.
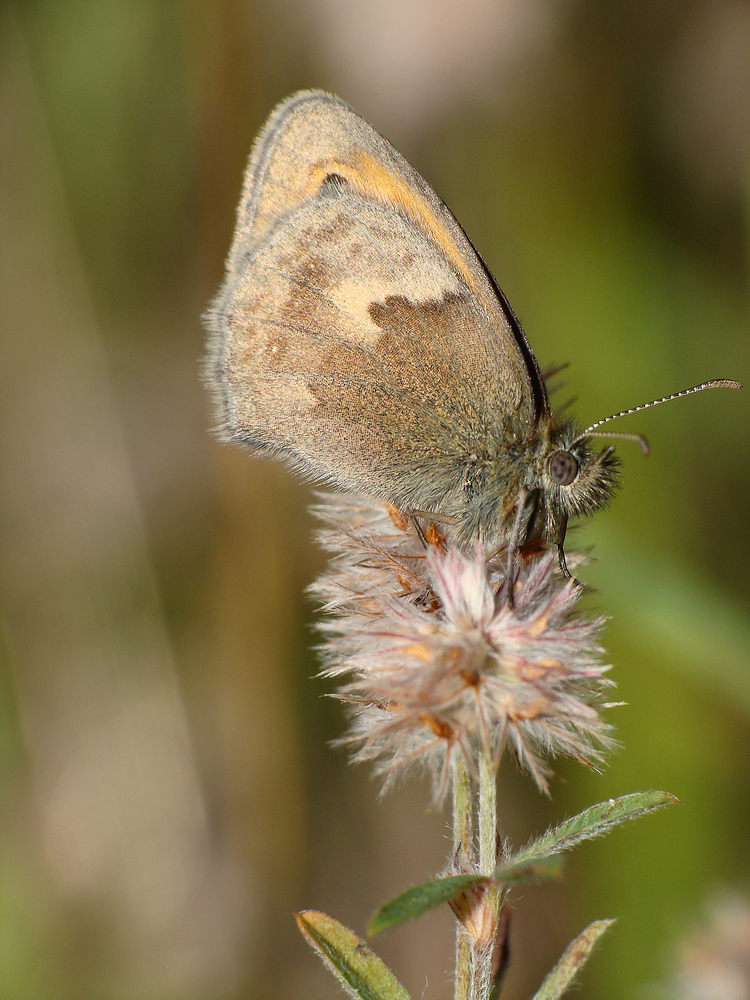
487,815
463,850
474,947
462,816
483,947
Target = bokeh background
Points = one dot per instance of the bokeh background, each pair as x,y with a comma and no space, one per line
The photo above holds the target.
167,793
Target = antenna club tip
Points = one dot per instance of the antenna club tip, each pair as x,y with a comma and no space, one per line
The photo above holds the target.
592,431
723,383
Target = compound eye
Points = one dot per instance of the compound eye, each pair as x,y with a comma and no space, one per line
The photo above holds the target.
563,468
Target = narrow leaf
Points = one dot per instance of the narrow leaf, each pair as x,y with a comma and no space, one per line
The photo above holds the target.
421,898
592,822
359,970
530,870
572,961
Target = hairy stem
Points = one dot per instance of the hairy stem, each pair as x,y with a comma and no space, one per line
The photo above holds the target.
484,944
463,851
487,815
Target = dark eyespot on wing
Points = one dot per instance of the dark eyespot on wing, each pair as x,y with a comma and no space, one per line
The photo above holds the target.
333,184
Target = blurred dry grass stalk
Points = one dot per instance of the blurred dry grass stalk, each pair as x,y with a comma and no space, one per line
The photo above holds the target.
101,706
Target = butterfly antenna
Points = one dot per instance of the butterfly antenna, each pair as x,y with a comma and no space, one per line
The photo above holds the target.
639,439
717,383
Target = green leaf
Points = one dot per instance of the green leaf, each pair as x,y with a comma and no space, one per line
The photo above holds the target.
592,822
359,970
529,870
572,961
421,898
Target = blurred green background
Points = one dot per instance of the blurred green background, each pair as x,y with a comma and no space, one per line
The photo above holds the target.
167,794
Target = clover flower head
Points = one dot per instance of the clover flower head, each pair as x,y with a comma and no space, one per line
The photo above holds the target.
436,661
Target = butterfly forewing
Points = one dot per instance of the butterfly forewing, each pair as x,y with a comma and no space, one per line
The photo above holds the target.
357,332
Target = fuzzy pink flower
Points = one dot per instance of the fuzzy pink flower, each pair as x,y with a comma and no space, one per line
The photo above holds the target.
438,662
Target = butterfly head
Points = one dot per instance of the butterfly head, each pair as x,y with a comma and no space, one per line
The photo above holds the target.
573,480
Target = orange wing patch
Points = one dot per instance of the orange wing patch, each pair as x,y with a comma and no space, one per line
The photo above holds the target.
372,179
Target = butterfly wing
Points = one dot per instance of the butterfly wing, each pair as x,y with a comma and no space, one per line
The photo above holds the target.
357,333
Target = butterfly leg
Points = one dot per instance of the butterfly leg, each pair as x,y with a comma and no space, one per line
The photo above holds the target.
560,542
514,541
418,528
561,553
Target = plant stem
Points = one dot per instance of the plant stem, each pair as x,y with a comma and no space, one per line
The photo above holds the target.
484,945
463,855
487,815
475,939
463,840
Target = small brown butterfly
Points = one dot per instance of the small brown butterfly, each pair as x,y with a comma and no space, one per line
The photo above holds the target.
360,336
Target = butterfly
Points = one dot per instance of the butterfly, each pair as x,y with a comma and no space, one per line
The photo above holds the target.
360,336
